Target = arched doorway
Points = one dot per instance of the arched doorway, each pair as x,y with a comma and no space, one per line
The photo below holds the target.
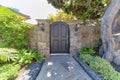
59,37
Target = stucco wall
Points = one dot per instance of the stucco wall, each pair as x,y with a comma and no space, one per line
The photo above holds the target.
82,36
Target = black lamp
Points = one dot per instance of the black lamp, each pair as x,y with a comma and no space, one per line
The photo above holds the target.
41,26
77,26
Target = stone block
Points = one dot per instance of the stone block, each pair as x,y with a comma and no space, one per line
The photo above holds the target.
39,39
117,60
41,45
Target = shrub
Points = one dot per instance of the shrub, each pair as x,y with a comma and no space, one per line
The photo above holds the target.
86,58
27,56
61,16
7,54
101,66
9,71
17,58
21,56
87,51
13,31
2,45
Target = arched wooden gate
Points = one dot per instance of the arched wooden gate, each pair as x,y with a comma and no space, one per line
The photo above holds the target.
59,37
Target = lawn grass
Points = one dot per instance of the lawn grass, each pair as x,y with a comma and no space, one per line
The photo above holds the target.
6,11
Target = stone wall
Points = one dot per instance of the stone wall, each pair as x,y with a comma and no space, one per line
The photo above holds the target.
86,36
80,36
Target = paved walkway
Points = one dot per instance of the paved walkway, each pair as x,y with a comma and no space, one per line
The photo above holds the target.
62,68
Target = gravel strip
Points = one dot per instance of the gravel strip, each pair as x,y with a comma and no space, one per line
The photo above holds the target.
30,72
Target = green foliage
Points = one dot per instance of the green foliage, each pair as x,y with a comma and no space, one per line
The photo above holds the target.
13,31
86,58
7,54
27,56
87,51
18,59
82,9
61,16
13,37
21,56
101,66
2,45
9,71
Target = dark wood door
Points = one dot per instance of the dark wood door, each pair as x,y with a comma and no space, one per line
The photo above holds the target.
59,37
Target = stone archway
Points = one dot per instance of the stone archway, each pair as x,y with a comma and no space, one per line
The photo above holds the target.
110,32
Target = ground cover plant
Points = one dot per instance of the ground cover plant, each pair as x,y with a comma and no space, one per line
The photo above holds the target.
85,50
101,66
12,60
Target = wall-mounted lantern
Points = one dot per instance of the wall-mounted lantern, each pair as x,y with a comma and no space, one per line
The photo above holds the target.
77,27
41,25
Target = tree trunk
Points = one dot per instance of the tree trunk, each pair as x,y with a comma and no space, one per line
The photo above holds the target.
110,32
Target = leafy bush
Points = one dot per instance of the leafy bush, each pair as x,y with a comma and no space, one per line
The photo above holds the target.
27,56
17,58
13,31
22,56
61,16
7,54
13,34
101,66
9,72
87,51
86,58
2,45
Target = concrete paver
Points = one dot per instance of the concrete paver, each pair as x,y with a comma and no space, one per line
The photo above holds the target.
62,67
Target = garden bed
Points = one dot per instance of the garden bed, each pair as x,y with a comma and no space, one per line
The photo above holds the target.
30,72
12,60
101,66
89,71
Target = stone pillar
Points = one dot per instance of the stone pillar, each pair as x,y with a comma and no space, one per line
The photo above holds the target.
74,46
43,36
